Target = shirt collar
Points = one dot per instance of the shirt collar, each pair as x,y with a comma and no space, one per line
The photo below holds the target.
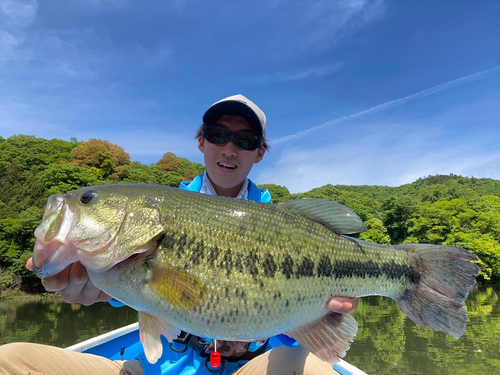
208,188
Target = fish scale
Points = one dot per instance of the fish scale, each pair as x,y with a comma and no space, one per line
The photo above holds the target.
239,270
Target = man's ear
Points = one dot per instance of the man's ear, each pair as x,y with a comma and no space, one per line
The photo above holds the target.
260,154
201,143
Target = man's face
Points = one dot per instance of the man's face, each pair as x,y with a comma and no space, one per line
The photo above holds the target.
228,165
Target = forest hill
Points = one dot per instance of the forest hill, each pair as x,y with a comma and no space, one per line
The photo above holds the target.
442,209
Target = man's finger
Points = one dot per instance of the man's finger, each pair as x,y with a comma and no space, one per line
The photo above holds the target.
29,264
342,305
57,282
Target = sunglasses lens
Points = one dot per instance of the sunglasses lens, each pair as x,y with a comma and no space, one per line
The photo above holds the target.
247,141
217,135
220,135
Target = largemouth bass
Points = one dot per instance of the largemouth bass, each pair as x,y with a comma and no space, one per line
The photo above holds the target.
232,269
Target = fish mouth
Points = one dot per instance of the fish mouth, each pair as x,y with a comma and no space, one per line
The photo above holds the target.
50,258
52,253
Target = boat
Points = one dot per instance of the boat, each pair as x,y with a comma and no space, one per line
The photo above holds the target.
124,344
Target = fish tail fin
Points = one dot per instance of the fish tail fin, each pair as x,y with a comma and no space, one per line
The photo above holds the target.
435,297
329,337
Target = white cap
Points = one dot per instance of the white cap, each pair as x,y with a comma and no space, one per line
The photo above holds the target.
237,104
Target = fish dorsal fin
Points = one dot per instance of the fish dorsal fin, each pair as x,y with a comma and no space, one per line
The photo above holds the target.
150,329
339,218
329,337
180,288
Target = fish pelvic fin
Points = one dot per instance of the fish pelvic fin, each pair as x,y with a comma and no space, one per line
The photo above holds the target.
181,289
329,337
435,297
150,329
335,216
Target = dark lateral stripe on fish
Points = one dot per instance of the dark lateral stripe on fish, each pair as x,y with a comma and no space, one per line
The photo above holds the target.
197,252
373,270
305,267
212,255
227,261
181,244
251,262
269,266
341,269
287,266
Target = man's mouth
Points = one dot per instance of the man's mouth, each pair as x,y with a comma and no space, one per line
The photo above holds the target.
227,166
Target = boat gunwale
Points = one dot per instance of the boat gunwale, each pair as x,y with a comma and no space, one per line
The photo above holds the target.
101,339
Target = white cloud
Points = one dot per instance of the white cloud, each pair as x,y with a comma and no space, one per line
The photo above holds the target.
15,17
393,103
17,14
112,3
317,71
380,154
326,21
8,45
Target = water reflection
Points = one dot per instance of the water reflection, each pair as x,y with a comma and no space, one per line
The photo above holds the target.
387,342
52,321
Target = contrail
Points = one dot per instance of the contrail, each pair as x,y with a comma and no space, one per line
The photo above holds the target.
442,87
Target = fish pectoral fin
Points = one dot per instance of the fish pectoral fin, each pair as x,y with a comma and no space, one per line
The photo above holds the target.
181,289
328,338
150,329
339,218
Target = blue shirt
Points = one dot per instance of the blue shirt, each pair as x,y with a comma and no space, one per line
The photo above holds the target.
254,193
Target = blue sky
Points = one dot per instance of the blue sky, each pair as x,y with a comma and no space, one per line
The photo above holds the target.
355,92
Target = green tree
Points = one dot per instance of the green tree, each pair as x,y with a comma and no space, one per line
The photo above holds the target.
169,162
106,157
396,213
278,193
435,193
141,173
376,232
63,178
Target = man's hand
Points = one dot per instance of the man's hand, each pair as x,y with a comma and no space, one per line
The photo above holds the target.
73,284
342,305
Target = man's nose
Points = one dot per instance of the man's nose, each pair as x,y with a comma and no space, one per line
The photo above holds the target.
229,149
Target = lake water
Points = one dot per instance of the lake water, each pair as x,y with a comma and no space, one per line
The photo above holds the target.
387,342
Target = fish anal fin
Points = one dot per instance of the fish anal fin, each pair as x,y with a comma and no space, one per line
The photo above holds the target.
150,329
335,216
181,289
329,337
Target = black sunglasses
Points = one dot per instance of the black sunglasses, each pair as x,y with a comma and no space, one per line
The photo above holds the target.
219,135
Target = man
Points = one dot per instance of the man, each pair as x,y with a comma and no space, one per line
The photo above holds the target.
232,139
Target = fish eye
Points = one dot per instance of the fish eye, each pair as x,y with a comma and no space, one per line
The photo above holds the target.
88,196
